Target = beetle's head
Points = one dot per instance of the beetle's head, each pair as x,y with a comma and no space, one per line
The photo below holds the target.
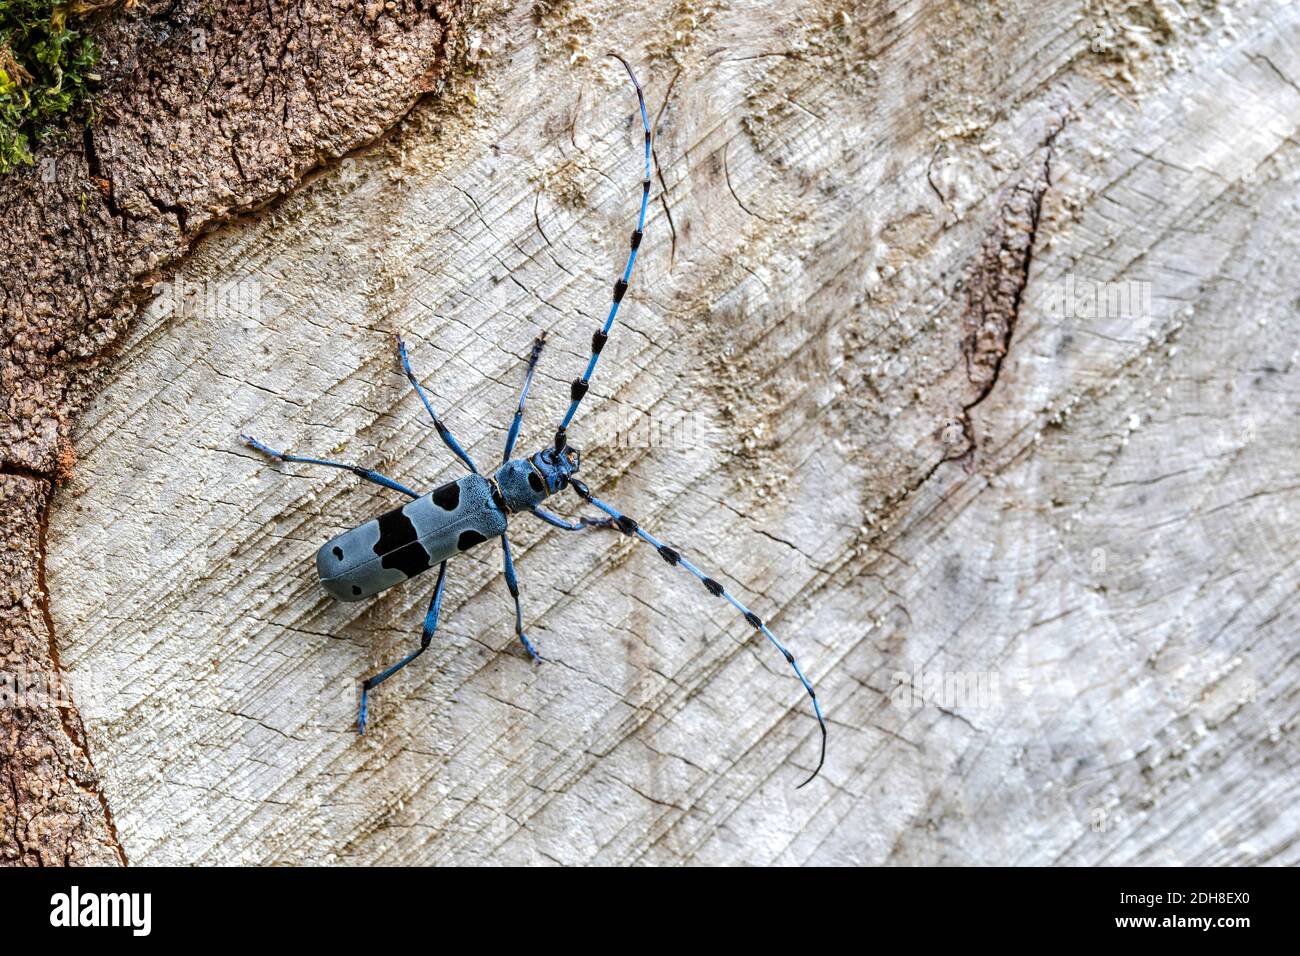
557,466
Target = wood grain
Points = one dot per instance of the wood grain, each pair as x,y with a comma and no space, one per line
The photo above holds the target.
859,377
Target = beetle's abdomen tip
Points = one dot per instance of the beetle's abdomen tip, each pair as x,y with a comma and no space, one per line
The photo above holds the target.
342,591
336,576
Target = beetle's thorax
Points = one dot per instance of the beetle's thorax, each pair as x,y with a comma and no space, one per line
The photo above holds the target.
525,483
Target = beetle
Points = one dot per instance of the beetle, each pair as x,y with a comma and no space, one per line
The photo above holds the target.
432,528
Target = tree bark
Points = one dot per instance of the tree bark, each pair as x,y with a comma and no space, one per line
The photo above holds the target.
207,113
961,348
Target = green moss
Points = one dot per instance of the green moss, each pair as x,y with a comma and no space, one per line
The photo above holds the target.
46,69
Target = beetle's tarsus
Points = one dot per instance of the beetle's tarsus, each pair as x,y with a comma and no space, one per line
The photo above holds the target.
532,651
262,447
361,717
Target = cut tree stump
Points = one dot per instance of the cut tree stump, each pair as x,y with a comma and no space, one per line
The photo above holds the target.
962,347
204,113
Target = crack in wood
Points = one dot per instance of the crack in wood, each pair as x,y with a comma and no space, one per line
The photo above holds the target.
995,287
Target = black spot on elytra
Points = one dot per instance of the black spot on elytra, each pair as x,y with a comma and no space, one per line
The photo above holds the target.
398,546
356,589
395,531
468,539
338,552
535,482
448,496
410,560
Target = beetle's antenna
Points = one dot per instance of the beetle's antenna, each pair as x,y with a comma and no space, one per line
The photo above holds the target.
674,557
579,387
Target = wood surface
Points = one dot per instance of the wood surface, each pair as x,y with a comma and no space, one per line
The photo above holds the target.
962,348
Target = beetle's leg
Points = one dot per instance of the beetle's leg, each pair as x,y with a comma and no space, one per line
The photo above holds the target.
580,525
513,434
512,583
629,527
364,473
447,437
430,625
579,387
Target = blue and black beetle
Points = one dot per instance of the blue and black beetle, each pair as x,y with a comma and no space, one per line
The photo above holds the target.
431,529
